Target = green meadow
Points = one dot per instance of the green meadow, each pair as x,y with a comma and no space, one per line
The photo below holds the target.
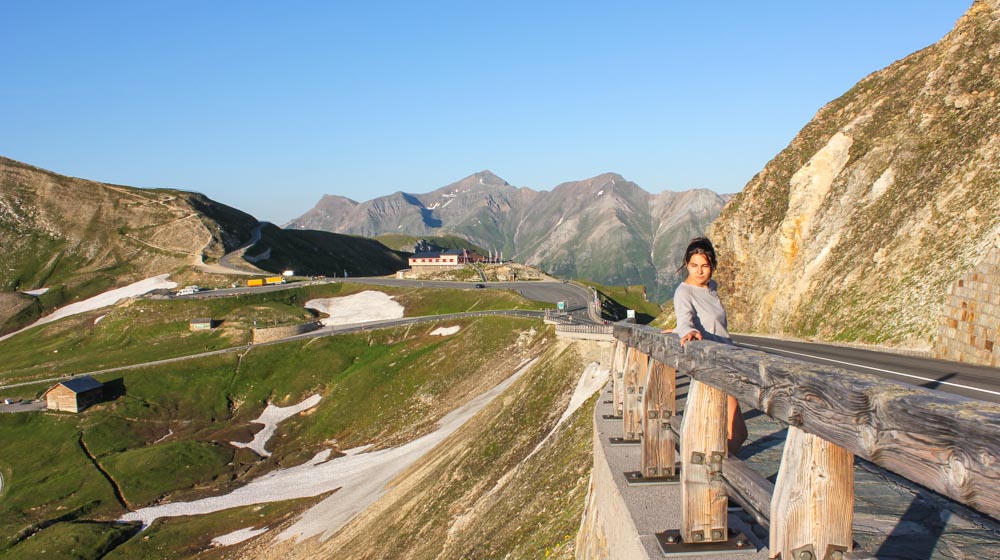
146,330
163,433
629,297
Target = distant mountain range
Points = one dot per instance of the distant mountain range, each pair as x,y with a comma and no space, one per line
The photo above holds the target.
605,228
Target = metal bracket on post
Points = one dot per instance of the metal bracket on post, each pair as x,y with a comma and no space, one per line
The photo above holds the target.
807,552
623,441
834,552
636,478
715,462
671,543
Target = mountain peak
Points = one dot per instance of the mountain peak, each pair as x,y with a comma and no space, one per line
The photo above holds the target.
487,174
480,180
485,177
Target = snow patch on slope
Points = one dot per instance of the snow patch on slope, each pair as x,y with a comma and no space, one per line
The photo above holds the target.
270,418
106,299
358,308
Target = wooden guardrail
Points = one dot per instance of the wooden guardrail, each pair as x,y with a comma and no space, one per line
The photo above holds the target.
945,442
585,328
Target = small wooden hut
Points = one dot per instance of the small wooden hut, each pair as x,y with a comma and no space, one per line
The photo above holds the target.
201,324
75,394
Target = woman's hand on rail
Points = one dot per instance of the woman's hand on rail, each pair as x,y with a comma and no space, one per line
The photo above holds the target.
692,335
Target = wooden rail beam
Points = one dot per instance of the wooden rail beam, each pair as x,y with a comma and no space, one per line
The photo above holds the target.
945,442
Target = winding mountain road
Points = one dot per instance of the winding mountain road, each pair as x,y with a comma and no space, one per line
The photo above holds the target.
977,382
576,297
226,262
324,331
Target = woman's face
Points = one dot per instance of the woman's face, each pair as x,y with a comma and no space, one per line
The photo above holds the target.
699,270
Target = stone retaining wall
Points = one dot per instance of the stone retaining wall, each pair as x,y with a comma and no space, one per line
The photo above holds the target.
970,325
277,333
607,530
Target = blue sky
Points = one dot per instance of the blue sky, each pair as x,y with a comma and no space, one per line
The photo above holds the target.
267,106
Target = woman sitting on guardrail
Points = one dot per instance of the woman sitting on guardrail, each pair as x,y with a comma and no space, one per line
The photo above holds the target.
701,316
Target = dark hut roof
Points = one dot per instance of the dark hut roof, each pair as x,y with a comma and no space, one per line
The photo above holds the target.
82,384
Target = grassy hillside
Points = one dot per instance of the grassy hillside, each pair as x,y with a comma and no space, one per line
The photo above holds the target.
404,243
481,493
79,238
147,330
163,435
616,299
313,253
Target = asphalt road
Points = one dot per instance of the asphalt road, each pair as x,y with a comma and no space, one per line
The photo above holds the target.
23,406
976,382
577,298
324,331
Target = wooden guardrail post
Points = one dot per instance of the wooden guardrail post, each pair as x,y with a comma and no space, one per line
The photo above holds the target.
617,359
618,378
635,373
659,405
813,505
703,449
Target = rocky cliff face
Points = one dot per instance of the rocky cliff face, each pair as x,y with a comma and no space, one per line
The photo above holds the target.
891,192
604,228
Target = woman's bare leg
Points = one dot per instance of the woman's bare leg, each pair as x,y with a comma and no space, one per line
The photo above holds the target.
737,428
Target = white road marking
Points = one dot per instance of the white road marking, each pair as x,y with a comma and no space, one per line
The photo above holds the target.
871,368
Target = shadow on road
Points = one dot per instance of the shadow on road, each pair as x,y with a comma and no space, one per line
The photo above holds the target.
916,535
937,383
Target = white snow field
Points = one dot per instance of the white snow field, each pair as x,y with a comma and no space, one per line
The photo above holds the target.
445,331
237,537
270,418
110,297
357,308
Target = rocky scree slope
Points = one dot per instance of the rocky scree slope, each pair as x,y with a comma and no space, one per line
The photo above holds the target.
604,228
857,228
507,484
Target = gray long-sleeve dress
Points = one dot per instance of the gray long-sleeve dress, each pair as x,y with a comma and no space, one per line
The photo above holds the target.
699,309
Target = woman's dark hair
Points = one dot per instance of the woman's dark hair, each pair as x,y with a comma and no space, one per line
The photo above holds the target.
700,246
